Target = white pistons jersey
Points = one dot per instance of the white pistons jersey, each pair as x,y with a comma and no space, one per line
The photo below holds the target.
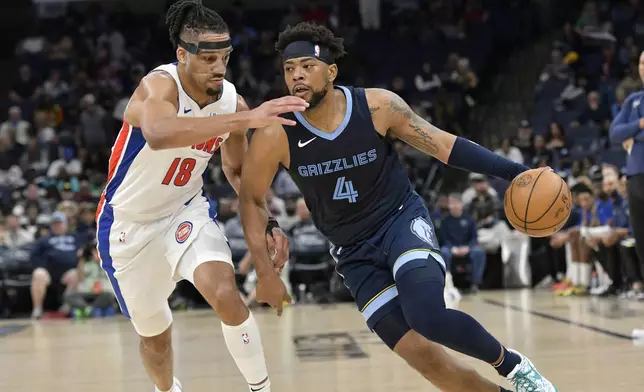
146,185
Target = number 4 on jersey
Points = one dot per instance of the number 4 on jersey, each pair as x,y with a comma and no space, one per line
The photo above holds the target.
344,191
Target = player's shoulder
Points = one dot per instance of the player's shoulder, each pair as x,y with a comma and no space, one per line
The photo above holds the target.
159,84
273,134
381,96
634,96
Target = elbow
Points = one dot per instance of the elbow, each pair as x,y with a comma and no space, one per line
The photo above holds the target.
155,142
615,136
154,137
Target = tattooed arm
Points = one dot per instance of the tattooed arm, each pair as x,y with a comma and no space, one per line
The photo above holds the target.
391,114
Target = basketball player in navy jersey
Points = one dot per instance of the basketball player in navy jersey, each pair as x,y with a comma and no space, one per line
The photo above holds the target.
341,157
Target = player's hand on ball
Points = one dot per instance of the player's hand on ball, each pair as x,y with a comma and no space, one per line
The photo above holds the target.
271,290
269,112
278,247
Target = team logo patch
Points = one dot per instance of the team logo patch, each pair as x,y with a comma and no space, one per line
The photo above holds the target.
183,232
245,338
423,230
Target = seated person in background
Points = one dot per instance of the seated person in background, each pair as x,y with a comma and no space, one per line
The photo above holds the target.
14,235
94,296
55,259
484,208
310,271
577,270
239,249
459,239
607,244
596,215
478,185
510,152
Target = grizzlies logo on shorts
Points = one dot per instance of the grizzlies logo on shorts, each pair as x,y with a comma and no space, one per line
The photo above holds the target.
369,268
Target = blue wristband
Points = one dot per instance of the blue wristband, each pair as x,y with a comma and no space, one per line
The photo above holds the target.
470,156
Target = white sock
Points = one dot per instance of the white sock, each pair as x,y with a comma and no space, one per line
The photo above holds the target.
585,270
176,387
245,345
573,272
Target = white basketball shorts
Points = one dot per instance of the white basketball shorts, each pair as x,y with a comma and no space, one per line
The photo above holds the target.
145,260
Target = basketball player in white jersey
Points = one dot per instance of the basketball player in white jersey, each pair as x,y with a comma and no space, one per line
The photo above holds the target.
155,226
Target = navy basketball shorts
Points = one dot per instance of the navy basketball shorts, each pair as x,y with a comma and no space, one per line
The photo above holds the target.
369,268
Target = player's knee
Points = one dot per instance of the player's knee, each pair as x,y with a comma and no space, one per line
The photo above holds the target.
423,305
225,300
158,345
40,276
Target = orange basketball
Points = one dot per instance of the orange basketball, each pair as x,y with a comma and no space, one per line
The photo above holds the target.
538,202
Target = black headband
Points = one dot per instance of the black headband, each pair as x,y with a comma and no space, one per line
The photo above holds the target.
308,49
194,49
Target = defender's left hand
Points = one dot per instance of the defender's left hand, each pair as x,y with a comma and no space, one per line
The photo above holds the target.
278,247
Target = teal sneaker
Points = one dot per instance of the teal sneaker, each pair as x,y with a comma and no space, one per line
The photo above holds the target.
526,378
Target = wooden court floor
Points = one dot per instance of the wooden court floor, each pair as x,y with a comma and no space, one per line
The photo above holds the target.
580,344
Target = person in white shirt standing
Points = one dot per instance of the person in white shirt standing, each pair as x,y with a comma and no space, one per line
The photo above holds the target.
154,224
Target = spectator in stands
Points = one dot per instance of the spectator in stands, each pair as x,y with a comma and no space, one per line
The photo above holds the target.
92,124
556,138
595,113
478,184
14,235
631,81
510,152
574,90
427,83
459,240
556,69
606,249
276,205
16,128
525,139
541,152
94,296
55,260
578,269
620,96
284,186
484,208
25,90
309,272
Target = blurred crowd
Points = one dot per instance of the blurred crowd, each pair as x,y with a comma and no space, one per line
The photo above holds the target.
595,64
75,73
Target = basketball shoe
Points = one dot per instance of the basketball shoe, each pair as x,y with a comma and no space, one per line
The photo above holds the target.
526,378
176,387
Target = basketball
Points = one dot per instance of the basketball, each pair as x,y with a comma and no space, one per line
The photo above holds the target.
538,202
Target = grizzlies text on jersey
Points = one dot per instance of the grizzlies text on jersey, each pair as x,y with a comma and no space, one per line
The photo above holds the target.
351,179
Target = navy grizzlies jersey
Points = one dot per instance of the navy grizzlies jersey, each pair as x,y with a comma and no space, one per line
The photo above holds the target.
351,179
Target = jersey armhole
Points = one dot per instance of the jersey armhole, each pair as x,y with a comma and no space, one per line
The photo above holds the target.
173,79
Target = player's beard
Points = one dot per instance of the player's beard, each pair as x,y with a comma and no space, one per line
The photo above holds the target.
212,92
318,96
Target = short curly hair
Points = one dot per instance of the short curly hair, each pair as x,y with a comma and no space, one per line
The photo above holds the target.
314,33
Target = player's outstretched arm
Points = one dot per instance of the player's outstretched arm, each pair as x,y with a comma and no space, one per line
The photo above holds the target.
390,112
268,148
154,108
234,150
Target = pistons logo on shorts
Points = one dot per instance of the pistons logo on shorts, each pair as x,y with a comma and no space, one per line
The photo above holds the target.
183,232
245,338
